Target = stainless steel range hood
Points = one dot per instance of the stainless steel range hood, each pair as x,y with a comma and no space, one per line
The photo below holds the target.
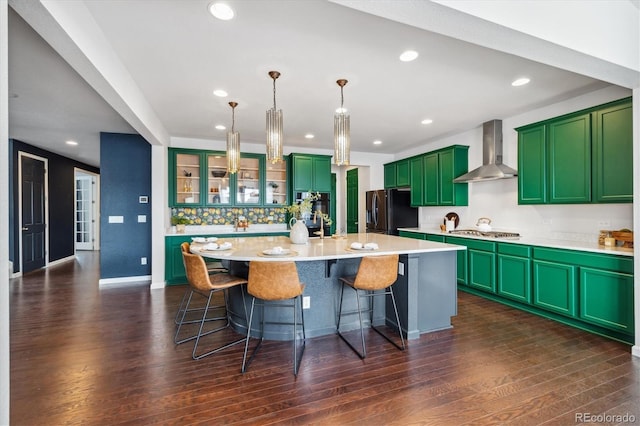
492,167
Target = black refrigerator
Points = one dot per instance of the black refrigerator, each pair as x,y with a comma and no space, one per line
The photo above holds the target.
390,209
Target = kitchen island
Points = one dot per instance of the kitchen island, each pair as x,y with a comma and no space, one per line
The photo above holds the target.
425,290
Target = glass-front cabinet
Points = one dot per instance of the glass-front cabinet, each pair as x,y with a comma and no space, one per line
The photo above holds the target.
218,180
186,179
200,178
249,182
276,189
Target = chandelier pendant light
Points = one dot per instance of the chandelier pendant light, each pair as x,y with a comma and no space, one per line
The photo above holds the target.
233,143
274,127
341,131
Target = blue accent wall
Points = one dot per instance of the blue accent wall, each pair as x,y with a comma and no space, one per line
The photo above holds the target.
125,162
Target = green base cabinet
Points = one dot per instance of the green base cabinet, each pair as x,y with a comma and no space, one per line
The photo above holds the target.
555,287
514,272
414,235
482,270
606,299
462,263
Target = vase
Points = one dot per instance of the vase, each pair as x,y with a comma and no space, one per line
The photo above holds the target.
299,233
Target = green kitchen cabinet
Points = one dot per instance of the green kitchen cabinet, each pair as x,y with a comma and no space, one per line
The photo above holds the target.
396,174
310,172
613,154
606,299
436,238
390,175
532,165
482,265
569,160
514,272
416,182
185,184
462,258
414,235
555,287
439,168
582,157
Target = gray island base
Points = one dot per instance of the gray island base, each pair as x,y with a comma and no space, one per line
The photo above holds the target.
425,291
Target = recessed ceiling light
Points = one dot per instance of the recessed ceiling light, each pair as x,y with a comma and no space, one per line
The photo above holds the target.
309,136
221,93
520,82
221,11
427,121
408,55
74,143
220,127
377,142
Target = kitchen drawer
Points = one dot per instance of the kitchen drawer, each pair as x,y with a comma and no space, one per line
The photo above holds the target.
514,249
609,262
472,244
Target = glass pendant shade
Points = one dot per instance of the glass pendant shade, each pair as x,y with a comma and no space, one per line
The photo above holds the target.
341,135
233,144
274,127
274,135
341,132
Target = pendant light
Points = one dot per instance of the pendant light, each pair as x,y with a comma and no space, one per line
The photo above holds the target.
274,127
341,132
233,143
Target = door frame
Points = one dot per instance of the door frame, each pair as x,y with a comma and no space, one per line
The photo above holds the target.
95,229
22,154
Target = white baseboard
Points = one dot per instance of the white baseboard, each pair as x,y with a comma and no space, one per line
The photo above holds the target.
635,350
158,285
59,261
123,281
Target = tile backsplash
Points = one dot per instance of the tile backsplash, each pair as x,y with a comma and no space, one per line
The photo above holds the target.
227,215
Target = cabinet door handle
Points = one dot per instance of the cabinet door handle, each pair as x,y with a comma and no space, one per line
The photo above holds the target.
25,229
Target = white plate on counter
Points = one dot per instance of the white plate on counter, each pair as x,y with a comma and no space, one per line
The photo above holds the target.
283,252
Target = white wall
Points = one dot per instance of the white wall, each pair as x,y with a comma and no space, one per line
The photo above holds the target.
498,200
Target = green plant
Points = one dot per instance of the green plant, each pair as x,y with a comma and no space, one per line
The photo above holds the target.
297,210
180,220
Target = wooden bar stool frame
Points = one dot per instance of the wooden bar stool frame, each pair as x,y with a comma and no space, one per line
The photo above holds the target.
200,282
369,280
284,285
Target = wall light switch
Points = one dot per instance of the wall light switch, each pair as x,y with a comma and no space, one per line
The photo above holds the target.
400,268
306,302
116,219
142,218
143,260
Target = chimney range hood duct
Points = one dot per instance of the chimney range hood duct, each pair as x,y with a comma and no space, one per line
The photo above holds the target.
492,167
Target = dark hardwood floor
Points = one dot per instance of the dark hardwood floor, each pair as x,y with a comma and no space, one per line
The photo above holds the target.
84,355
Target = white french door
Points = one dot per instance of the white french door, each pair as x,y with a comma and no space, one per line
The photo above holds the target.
86,211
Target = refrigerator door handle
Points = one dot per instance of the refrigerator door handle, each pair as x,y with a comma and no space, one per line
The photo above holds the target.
374,208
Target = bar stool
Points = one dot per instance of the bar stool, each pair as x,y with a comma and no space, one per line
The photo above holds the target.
212,268
374,273
205,285
272,282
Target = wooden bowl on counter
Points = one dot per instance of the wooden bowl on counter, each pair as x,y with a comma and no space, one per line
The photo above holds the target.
626,237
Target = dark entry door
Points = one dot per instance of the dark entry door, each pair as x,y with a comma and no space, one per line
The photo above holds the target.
33,218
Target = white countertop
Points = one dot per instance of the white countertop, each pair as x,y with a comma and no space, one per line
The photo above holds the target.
593,247
207,230
252,248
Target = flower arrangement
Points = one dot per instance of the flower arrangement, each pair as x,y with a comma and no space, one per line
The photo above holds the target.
304,207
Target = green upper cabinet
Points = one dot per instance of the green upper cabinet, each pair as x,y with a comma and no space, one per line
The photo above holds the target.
200,179
390,175
612,154
439,168
569,160
532,165
581,157
311,172
396,174
185,185
416,181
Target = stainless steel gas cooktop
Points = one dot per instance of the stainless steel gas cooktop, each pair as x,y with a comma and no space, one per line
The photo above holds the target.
490,234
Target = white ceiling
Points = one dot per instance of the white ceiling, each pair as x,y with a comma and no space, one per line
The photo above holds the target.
177,54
